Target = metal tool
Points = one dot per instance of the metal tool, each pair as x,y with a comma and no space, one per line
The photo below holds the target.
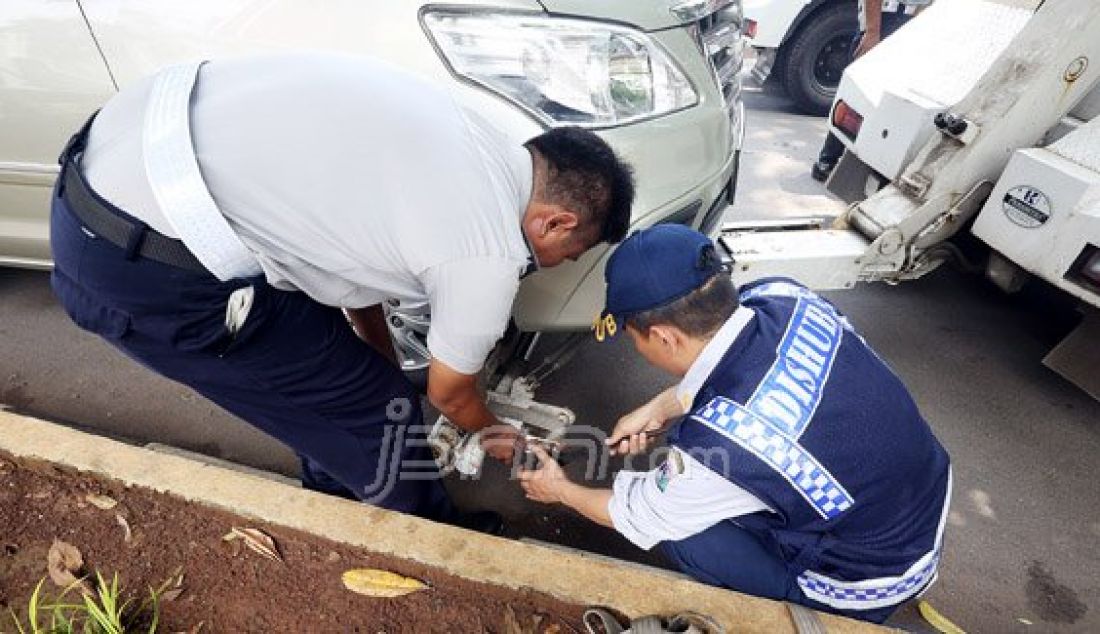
457,448
563,450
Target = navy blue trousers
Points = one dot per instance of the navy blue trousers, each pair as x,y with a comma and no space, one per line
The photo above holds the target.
728,556
296,370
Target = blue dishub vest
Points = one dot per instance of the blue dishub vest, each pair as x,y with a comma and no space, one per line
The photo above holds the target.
803,415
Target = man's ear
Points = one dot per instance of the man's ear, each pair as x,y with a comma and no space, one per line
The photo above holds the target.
668,336
537,224
561,219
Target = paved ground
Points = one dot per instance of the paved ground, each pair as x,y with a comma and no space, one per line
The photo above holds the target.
1024,539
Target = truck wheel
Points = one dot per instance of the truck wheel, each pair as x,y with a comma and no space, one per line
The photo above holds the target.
776,83
816,55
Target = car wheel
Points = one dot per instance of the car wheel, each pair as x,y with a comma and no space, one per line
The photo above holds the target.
817,54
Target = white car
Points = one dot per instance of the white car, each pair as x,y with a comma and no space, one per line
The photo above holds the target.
658,80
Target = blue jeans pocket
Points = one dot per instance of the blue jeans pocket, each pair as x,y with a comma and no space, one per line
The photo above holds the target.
88,312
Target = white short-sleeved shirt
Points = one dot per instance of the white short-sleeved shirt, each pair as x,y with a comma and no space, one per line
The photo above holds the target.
350,180
682,497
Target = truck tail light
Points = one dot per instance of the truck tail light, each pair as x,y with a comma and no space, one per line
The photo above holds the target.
1086,269
847,120
750,29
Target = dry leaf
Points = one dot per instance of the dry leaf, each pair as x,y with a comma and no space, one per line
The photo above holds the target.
233,547
174,591
511,621
514,625
171,595
194,629
937,620
380,583
101,502
126,534
63,563
257,541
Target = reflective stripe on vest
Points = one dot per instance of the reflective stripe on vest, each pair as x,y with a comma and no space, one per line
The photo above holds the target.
760,437
870,594
791,390
177,184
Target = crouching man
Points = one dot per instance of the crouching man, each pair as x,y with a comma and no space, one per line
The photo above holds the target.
798,466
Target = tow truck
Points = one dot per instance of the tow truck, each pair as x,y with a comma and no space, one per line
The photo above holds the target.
981,117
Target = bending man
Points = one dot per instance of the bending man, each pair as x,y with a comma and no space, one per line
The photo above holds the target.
212,221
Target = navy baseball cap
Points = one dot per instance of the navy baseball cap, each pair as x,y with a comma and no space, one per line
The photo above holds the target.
652,268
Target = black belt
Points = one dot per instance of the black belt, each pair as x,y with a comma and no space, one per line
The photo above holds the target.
134,236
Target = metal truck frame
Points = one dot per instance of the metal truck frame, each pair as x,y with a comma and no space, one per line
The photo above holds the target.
980,116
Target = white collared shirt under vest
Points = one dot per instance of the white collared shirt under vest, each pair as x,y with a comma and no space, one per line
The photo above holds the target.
682,497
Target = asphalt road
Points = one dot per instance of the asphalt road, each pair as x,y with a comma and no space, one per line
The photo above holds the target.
1023,543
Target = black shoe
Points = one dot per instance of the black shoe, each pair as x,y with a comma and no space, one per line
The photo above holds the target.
488,522
821,170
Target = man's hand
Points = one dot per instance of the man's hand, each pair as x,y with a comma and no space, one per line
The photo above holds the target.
456,396
632,433
546,483
869,40
501,442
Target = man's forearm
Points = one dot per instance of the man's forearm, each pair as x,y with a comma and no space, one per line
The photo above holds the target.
872,14
668,404
457,397
468,411
591,503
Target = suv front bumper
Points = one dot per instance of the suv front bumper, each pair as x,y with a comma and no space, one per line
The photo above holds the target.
569,297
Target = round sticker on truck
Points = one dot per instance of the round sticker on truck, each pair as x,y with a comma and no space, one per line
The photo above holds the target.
1026,206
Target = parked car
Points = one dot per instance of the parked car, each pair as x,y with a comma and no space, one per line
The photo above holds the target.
658,80
802,47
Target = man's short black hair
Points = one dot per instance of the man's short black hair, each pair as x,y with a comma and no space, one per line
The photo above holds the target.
586,177
698,314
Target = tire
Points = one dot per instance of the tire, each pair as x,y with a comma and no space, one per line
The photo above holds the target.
776,83
815,56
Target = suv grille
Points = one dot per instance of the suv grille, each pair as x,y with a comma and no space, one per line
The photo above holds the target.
720,40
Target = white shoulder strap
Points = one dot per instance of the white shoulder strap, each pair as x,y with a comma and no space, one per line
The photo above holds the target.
177,184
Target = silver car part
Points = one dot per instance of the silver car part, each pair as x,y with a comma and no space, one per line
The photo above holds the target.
408,325
457,449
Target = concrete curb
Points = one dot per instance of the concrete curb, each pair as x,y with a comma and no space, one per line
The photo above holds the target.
570,577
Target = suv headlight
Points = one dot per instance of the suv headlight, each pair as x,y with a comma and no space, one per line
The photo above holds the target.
562,70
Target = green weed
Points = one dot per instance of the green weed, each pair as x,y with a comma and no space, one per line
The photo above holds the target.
98,611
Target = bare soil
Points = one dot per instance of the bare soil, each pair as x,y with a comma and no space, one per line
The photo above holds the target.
227,588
